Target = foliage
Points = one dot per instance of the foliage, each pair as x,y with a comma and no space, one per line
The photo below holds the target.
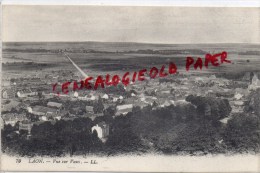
242,133
219,108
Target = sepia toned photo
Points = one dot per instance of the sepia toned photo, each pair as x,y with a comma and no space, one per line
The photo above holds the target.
130,88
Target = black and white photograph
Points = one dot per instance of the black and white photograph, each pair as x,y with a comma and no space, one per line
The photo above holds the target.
85,88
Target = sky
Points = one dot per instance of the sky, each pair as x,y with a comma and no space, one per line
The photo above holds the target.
170,25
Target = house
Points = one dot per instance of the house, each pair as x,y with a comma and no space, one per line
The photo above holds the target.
105,96
5,82
75,94
248,76
238,103
165,92
42,111
181,102
47,93
84,96
13,118
57,118
78,110
224,120
26,93
133,95
54,105
255,80
102,129
149,99
7,106
8,93
166,103
26,125
141,104
44,118
115,99
89,109
124,109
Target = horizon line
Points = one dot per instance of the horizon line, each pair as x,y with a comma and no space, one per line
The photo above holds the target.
121,42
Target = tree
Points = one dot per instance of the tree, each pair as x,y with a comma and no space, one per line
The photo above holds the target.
98,107
110,111
253,106
210,108
123,139
242,133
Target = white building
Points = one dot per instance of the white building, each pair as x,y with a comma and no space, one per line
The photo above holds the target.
102,129
115,99
76,94
105,96
8,93
124,109
255,83
54,104
87,98
133,95
238,96
42,111
13,118
26,125
26,93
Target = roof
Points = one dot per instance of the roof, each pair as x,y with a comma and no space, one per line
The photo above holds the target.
25,122
224,120
105,96
54,104
43,109
126,106
13,116
124,111
167,103
24,91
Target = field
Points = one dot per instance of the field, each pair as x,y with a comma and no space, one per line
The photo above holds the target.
102,58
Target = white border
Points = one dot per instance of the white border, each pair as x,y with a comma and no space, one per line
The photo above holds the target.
184,3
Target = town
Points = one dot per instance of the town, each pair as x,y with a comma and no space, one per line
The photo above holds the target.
33,103
29,100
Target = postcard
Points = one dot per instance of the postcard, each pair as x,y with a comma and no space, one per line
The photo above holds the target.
130,88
